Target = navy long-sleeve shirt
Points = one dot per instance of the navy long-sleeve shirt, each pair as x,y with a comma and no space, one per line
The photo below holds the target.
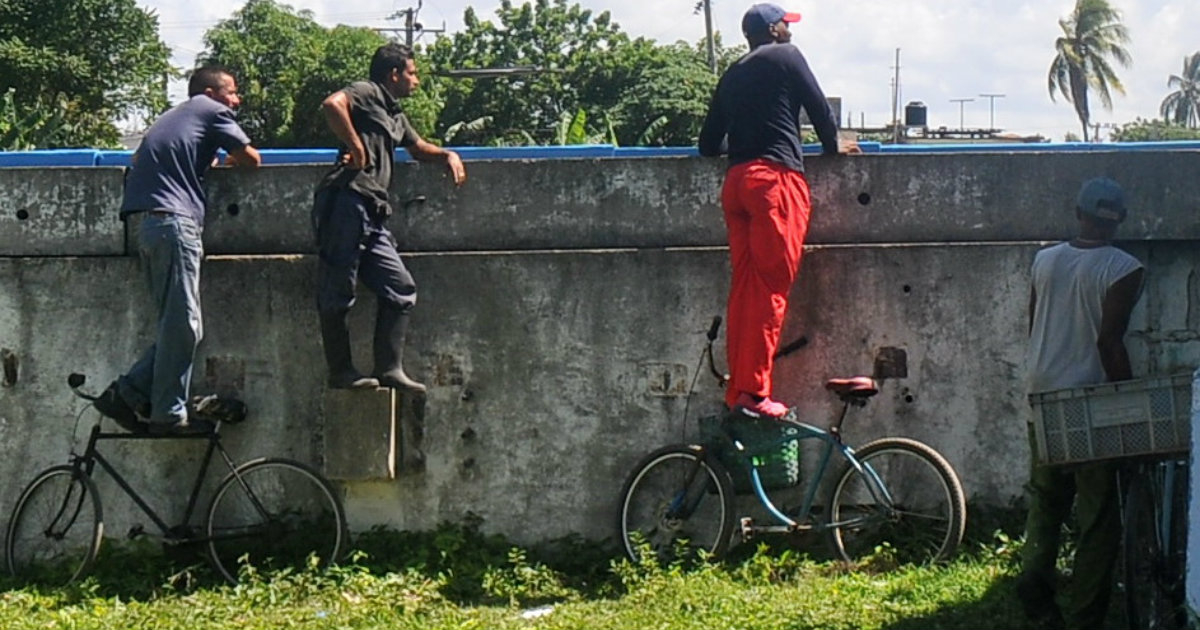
757,107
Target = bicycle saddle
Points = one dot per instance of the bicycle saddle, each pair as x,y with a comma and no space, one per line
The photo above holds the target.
853,387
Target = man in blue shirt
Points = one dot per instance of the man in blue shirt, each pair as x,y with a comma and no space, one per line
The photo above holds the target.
164,195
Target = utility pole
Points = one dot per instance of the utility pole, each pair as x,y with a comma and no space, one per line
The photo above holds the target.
706,6
960,102
411,25
896,101
991,109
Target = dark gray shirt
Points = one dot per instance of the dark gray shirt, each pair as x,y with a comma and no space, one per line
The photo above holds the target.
382,127
170,163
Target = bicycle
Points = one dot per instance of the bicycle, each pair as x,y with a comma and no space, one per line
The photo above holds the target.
1154,545
892,492
267,513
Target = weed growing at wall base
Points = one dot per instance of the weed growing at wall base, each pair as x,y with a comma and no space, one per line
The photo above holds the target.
456,577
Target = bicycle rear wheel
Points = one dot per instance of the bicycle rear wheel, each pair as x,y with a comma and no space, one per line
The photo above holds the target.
56,528
1153,559
273,514
677,502
916,508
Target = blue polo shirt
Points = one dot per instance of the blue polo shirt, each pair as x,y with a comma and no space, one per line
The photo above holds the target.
170,163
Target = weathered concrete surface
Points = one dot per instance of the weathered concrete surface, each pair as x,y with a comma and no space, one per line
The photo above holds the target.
551,373
674,202
60,212
552,369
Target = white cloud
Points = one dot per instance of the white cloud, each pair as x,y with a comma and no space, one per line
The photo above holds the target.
948,49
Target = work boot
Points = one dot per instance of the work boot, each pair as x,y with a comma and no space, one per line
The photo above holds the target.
336,339
391,324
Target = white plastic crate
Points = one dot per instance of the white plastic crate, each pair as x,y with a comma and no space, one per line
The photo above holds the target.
1145,417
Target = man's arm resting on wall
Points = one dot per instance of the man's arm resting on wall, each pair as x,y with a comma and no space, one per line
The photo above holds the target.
429,152
245,157
1114,321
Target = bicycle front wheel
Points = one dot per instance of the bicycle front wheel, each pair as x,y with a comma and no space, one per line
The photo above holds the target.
676,503
56,528
906,501
1153,559
273,514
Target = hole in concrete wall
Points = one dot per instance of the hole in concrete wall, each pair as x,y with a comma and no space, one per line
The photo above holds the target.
468,435
233,209
864,198
908,398
10,363
22,214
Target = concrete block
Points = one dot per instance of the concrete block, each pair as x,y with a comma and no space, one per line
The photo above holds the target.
360,434
61,212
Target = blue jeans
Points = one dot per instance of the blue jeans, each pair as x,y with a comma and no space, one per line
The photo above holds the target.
170,250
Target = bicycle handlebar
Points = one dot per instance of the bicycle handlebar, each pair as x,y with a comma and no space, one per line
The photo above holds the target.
76,380
712,330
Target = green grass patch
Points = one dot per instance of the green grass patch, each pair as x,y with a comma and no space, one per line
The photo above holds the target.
458,577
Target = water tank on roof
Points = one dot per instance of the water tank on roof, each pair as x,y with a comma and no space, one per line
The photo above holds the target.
914,114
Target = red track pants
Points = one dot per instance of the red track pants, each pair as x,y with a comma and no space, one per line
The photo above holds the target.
766,213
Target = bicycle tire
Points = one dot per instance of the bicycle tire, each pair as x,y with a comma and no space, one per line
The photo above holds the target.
301,525
56,528
1154,579
684,477
930,512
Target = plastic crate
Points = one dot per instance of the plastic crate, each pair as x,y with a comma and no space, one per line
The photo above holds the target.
1139,418
778,467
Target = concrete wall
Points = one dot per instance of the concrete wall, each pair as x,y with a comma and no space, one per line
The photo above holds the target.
562,308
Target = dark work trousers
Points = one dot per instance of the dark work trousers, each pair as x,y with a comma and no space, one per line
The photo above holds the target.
353,244
1092,489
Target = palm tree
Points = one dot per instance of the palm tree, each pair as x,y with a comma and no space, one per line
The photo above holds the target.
1183,105
1093,36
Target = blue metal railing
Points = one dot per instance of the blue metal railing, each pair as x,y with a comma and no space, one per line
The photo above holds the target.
96,157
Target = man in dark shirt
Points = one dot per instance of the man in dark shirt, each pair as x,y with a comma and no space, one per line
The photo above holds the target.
164,192
755,117
350,209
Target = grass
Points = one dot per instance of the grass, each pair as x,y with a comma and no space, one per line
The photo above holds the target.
457,577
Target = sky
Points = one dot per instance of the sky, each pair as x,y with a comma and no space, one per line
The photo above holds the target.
949,49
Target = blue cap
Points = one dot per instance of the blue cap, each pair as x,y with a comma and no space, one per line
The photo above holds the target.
1102,198
760,17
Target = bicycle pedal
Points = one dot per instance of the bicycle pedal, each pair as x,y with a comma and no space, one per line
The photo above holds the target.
747,528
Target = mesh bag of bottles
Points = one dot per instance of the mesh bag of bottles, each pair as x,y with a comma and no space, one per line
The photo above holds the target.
763,441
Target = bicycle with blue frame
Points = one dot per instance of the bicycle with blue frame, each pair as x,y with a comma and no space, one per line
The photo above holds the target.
893,493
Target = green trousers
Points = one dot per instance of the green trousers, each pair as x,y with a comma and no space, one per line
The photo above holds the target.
1092,488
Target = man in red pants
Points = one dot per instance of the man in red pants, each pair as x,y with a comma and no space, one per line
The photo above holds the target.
755,118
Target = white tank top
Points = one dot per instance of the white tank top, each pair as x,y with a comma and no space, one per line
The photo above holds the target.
1071,283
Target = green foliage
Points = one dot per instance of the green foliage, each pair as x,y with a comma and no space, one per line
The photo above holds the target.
1141,130
770,588
286,64
1093,37
1182,106
624,87
88,63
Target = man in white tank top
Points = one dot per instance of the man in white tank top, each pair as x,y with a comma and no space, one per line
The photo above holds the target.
1082,295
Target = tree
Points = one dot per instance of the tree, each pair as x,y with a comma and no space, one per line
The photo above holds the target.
1183,105
1093,35
79,67
1154,131
631,88
286,64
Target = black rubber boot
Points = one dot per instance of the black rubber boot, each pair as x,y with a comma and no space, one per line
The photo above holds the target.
391,324
336,339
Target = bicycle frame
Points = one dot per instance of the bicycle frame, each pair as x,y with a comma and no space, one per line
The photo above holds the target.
832,440
86,464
